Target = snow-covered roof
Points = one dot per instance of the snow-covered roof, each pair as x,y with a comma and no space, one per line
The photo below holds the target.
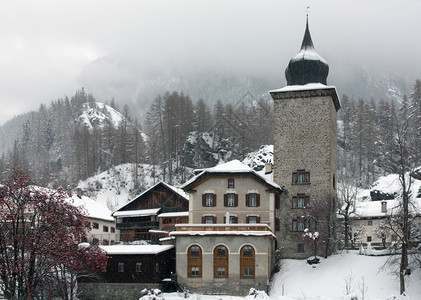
390,184
174,214
305,87
137,213
232,167
178,191
136,249
93,208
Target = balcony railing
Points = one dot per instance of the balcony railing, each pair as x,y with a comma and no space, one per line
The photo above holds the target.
137,225
221,227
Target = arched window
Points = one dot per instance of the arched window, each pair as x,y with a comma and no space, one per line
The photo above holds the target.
194,261
220,262
247,262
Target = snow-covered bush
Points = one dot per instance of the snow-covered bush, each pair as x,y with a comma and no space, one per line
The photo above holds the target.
152,294
255,294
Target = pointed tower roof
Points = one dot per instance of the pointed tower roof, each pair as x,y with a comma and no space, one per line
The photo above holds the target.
307,66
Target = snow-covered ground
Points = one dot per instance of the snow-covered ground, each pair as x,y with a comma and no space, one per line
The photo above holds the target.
329,281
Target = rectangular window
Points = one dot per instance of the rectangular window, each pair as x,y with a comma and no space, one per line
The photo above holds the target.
300,201
157,267
300,177
138,267
105,228
112,229
368,239
208,219
220,272
209,200
95,225
231,183
230,200
120,267
248,271
370,223
300,225
252,219
252,200
233,220
195,271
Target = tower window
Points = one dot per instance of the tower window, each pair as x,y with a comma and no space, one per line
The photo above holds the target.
300,224
300,201
301,177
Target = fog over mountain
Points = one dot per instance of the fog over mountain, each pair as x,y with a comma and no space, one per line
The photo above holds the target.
132,51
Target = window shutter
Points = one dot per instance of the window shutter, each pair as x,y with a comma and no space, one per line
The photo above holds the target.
247,200
236,200
214,220
203,220
214,199
236,220
247,220
257,199
225,220
225,200
277,201
203,199
277,224
258,220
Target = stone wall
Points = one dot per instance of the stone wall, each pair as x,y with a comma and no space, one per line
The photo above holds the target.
305,138
115,291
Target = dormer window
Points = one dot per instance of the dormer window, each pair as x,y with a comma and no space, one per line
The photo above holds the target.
301,177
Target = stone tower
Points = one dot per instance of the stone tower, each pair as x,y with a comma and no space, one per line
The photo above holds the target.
305,153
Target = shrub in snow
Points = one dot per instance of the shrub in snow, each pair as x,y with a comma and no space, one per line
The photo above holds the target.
153,294
255,294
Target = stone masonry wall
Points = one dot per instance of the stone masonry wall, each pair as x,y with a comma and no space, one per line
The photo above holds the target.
305,138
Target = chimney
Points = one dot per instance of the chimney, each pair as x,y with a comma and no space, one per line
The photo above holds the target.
384,207
268,168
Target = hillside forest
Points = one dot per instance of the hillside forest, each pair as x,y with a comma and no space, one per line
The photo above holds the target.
74,138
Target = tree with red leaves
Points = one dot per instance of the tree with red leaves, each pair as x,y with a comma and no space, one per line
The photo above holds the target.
39,235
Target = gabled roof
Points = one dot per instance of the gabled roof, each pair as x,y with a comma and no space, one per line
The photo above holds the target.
137,212
177,191
234,167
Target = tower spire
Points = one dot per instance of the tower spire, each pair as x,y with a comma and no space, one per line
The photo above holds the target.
307,66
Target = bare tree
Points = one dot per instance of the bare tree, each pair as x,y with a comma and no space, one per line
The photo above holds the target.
347,196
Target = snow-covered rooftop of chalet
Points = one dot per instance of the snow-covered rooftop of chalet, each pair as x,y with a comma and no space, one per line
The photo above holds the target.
174,214
306,87
93,208
136,213
233,166
136,249
179,191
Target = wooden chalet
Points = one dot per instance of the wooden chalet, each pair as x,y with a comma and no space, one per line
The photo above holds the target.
138,219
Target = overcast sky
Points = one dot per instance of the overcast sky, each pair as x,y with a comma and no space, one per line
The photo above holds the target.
45,44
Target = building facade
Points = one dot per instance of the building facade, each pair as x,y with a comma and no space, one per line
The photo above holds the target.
305,151
228,245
